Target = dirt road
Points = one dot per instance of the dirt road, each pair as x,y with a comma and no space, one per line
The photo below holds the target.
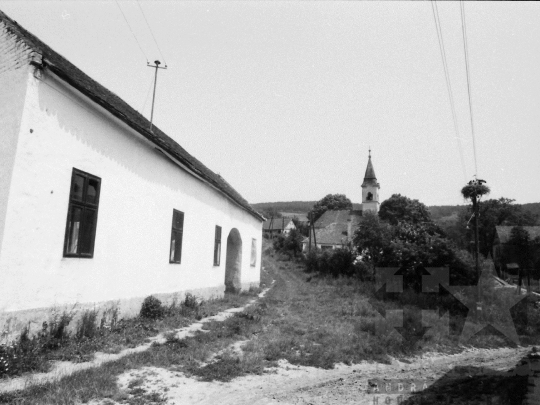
474,377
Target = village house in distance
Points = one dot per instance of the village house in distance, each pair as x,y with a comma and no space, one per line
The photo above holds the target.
275,226
335,228
97,206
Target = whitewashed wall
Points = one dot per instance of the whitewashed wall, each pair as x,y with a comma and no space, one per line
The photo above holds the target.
61,130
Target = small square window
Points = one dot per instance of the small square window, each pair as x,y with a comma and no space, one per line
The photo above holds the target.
253,261
175,254
217,246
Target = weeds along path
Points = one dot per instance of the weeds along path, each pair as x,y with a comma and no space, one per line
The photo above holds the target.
66,368
297,309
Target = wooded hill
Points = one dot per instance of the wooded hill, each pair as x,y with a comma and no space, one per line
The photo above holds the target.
437,211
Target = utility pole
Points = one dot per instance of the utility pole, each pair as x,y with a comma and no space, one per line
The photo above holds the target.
477,186
309,246
476,202
157,63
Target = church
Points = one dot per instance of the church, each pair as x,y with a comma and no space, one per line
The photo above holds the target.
335,228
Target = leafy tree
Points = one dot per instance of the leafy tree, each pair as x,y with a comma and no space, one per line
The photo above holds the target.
492,213
399,208
372,238
521,240
271,212
411,244
288,244
330,202
302,227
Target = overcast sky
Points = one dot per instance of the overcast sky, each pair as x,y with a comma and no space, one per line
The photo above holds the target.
283,99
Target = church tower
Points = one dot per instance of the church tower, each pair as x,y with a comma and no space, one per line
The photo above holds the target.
370,189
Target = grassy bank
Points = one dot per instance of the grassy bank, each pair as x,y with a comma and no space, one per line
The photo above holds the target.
304,319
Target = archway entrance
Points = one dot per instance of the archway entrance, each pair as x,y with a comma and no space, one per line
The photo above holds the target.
233,262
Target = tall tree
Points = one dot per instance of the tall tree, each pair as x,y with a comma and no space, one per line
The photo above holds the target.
372,237
399,208
330,202
495,212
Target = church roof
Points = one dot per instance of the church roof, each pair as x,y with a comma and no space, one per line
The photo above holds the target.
370,178
333,226
370,171
72,75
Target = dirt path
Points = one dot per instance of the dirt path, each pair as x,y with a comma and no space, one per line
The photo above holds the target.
288,384
465,378
65,368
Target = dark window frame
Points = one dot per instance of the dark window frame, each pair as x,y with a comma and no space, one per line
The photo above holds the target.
177,234
217,246
85,206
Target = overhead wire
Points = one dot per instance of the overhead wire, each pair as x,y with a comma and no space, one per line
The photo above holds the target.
438,28
132,33
152,33
467,69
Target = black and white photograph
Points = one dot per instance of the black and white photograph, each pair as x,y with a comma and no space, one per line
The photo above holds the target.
236,202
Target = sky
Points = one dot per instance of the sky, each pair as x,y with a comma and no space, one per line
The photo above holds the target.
284,99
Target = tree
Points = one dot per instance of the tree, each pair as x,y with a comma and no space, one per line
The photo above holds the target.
521,240
372,238
271,212
290,243
411,247
495,212
330,202
399,208
301,226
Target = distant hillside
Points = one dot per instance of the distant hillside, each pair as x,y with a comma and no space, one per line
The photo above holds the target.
532,207
437,211
291,206
441,211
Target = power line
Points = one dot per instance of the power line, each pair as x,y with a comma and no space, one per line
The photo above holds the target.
150,29
467,69
438,28
129,26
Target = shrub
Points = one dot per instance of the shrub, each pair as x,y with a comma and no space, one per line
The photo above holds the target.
190,301
87,327
152,308
338,262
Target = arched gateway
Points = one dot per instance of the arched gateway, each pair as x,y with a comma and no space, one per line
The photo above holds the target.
233,263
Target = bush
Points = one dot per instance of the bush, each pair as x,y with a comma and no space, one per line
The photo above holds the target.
152,308
87,327
335,263
190,301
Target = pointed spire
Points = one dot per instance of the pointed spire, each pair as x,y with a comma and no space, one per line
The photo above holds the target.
370,171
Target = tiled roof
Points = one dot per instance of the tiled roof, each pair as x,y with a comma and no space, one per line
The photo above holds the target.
333,226
277,224
68,72
503,232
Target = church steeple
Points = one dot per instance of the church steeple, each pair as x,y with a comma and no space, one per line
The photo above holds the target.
370,188
369,177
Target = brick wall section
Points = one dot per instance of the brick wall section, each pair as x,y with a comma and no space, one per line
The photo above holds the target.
15,57
14,53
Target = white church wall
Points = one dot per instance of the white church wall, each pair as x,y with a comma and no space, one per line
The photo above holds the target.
61,130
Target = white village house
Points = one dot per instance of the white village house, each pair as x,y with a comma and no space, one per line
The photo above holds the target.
96,207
